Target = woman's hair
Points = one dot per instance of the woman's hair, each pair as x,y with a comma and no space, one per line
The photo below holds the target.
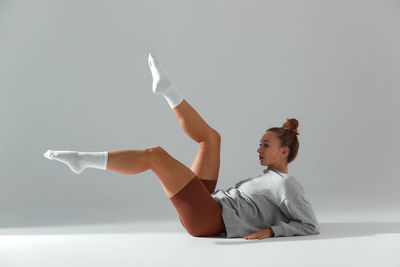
287,134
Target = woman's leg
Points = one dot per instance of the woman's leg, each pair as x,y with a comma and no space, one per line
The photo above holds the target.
172,174
207,162
198,212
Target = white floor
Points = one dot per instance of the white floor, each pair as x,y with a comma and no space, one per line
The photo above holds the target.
167,244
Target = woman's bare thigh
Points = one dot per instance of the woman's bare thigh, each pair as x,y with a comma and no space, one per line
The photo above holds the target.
172,174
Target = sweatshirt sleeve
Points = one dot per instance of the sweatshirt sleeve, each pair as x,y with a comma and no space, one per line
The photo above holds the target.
301,216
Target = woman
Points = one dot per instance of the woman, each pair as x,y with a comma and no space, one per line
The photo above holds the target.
271,204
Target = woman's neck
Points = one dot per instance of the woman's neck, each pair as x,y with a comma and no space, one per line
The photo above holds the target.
279,168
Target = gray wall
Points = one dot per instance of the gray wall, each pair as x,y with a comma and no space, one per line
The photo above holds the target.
74,76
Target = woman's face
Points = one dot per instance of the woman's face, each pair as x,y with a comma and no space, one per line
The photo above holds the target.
270,152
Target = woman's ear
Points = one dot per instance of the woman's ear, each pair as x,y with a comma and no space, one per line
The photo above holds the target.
285,152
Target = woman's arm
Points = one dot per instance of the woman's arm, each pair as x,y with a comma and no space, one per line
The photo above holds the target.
301,216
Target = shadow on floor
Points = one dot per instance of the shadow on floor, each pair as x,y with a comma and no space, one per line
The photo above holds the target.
330,231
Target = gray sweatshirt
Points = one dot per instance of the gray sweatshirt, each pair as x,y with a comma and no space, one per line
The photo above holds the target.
273,199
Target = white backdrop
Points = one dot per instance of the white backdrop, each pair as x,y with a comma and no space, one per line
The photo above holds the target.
74,76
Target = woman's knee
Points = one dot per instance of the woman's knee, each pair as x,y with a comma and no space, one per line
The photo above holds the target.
216,136
156,153
213,138
156,150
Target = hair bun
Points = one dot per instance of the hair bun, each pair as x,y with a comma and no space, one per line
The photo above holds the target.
291,124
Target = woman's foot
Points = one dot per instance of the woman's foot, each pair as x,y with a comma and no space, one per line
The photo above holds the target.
79,161
162,85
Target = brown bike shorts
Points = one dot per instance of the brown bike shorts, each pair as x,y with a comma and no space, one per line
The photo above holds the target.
198,212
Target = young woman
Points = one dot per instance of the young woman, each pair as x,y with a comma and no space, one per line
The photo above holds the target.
271,204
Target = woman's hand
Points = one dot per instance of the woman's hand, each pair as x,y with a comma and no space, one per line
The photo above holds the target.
265,233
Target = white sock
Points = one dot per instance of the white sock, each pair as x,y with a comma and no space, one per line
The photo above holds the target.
162,85
79,161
